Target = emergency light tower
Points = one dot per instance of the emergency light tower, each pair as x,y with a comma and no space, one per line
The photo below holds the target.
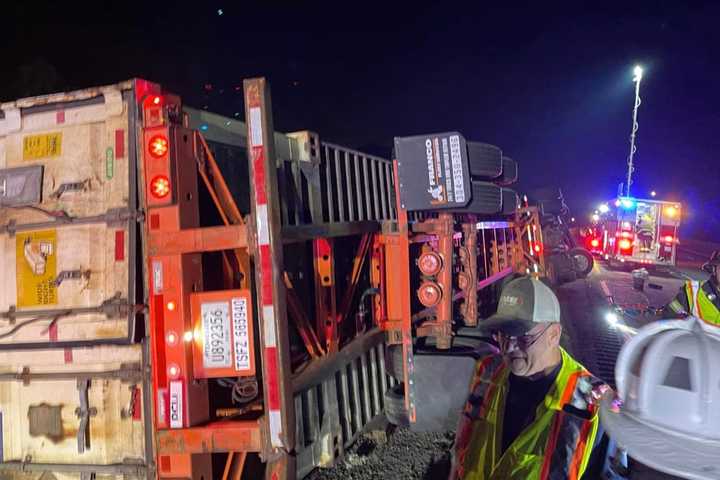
637,76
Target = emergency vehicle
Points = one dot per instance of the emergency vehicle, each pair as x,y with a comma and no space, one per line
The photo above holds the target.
592,238
640,232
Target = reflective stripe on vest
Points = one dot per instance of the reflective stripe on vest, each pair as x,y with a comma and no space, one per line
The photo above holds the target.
556,445
484,381
693,289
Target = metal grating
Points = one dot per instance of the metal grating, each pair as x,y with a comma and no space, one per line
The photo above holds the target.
333,412
355,186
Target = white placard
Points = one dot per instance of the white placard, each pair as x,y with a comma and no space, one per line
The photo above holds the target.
241,338
176,404
216,335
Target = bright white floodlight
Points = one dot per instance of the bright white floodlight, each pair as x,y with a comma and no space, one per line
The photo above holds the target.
637,72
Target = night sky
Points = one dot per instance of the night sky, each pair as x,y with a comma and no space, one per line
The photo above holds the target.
551,86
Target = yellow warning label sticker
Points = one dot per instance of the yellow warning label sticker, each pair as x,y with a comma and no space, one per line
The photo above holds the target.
42,146
36,267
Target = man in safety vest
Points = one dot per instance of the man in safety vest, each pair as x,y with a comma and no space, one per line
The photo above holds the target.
701,300
532,409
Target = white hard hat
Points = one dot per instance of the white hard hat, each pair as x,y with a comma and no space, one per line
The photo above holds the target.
668,379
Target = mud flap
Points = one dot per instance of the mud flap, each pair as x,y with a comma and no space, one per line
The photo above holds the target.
440,394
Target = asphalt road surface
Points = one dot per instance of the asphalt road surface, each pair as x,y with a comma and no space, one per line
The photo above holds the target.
585,304
587,335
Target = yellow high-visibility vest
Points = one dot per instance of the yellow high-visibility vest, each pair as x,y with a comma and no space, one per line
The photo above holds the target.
700,305
556,445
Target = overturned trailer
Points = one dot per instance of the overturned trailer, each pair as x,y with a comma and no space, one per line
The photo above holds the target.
185,293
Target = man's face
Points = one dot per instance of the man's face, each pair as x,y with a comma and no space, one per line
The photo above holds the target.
529,354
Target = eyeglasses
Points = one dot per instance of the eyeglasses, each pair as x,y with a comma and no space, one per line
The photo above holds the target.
523,342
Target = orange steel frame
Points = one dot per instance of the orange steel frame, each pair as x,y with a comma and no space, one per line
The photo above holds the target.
175,243
186,439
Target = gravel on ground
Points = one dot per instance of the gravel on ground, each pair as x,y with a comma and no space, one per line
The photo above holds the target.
401,455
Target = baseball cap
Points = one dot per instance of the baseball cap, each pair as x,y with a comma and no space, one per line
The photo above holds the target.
524,302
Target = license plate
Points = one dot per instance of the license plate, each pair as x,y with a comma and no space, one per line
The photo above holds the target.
240,334
216,330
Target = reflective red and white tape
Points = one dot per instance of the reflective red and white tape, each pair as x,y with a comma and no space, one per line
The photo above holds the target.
270,353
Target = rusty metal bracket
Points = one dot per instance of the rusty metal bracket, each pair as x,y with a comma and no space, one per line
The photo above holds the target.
115,306
84,412
325,298
81,186
130,411
113,217
133,470
128,372
468,259
120,216
358,263
72,275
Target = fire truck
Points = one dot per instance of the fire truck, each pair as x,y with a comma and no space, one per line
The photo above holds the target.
190,296
592,237
640,232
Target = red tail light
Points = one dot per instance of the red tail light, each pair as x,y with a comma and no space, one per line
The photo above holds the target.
669,239
160,187
153,111
538,248
625,244
153,101
595,242
158,146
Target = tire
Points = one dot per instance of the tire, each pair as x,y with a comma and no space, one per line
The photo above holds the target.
486,199
553,238
509,172
395,406
567,277
510,201
485,160
583,261
561,269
